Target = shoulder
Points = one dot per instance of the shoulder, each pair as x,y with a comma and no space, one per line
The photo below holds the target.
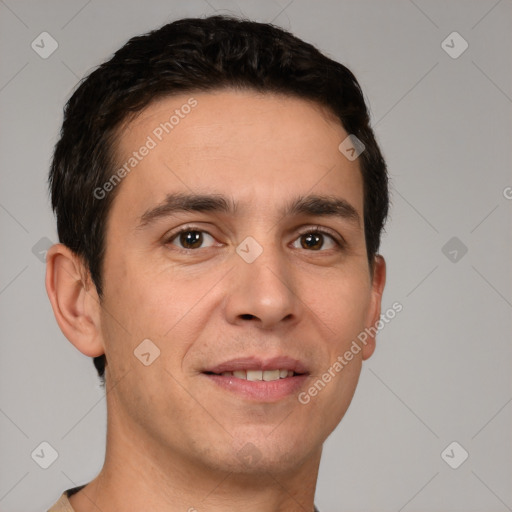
63,505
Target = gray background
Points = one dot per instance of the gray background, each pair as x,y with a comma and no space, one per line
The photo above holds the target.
442,369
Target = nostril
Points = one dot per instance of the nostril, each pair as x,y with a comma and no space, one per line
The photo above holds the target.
247,316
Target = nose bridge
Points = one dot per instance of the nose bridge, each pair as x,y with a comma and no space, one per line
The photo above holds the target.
262,284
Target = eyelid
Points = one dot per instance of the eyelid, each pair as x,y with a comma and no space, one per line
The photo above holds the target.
314,228
169,237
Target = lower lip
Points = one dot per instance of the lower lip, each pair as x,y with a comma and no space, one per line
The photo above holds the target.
260,390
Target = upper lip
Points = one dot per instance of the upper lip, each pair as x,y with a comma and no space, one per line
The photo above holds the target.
257,363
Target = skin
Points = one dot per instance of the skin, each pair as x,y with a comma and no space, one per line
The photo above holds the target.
173,436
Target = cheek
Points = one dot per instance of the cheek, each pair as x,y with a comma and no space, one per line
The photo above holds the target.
343,303
158,305
152,398
147,303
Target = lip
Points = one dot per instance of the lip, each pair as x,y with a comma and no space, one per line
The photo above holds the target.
260,391
256,363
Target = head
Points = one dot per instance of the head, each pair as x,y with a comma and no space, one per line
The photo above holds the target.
241,124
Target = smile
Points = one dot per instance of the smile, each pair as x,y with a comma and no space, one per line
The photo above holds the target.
256,375
261,380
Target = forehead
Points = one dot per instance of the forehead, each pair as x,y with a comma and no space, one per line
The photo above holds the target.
257,147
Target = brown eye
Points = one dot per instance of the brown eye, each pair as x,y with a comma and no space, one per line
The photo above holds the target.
191,239
312,241
317,240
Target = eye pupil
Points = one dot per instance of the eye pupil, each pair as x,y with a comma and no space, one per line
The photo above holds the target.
191,239
312,241
194,239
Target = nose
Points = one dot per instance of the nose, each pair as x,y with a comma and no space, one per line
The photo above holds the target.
262,292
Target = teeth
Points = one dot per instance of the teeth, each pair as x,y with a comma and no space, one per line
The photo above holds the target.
271,375
255,375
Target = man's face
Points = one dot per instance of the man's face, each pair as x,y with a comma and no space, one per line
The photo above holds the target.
254,286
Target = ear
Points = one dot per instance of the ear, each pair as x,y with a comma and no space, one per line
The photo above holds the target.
378,282
74,300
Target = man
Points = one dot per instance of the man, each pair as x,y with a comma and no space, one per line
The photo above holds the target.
220,197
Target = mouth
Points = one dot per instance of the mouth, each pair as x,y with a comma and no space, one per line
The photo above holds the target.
258,375
263,380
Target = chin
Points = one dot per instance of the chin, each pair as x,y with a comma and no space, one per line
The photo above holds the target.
256,454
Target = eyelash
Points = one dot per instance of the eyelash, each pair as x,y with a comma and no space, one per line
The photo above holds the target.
340,243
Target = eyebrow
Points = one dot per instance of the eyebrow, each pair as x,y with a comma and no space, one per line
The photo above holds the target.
314,205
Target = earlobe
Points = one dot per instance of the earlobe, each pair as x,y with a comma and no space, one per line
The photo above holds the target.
74,300
378,283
